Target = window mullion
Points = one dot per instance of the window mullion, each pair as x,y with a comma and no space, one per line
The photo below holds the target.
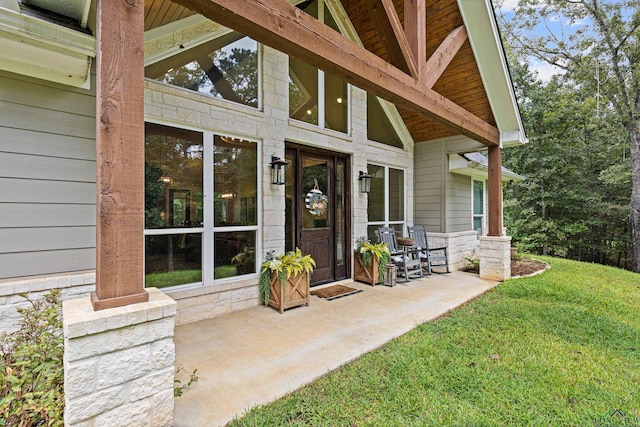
207,245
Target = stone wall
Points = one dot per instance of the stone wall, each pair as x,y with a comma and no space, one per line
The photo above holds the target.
462,244
118,363
71,286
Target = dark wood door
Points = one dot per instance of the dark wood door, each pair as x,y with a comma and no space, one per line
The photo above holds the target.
315,214
317,210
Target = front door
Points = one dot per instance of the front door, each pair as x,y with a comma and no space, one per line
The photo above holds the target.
316,211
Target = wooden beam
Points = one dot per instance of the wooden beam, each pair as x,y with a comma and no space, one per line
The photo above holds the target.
444,54
284,27
495,191
393,36
119,154
415,28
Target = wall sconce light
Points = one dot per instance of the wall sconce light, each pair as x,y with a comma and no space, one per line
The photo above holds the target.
365,182
278,167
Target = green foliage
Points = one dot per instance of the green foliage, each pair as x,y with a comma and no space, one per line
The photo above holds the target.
575,200
173,278
585,124
179,385
284,266
556,349
31,367
369,251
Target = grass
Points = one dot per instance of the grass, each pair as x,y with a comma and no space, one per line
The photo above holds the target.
558,349
172,278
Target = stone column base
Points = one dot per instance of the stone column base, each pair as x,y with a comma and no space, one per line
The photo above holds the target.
495,257
118,363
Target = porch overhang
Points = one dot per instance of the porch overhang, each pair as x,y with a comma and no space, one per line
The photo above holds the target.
284,27
477,166
37,48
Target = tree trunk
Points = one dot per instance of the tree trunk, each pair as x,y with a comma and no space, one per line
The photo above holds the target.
634,214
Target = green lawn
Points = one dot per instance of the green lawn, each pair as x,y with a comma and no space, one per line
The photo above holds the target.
558,349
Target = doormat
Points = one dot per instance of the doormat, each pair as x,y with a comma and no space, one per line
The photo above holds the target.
335,291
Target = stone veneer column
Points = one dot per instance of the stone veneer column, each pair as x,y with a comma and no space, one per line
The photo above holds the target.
118,363
495,257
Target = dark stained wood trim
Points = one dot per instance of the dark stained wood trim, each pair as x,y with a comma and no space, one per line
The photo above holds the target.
282,26
119,154
442,57
495,191
415,27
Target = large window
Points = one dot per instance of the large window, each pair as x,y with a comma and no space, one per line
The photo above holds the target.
201,198
314,96
478,207
225,67
386,201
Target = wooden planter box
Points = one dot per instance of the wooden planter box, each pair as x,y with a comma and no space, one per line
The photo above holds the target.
366,273
293,293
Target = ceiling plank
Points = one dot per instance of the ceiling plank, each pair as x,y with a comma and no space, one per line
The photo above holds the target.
415,27
284,27
444,54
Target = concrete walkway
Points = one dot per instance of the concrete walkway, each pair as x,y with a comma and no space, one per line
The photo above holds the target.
257,355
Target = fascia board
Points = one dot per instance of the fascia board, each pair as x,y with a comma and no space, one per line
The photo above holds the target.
41,49
484,38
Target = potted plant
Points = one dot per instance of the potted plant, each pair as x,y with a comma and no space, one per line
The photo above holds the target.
284,280
369,261
406,241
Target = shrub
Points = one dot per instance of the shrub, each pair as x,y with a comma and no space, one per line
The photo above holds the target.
31,368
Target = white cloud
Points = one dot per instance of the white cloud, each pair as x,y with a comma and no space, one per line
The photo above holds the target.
509,5
543,69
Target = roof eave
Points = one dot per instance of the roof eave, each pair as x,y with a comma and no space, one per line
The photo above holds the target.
486,44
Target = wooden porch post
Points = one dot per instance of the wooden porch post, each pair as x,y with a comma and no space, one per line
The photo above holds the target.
119,154
495,191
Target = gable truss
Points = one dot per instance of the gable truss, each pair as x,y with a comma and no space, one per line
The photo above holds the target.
290,30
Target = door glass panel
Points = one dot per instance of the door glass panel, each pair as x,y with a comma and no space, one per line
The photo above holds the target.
340,213
315,193
289,207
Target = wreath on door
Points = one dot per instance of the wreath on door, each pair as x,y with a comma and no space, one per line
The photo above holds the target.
316,202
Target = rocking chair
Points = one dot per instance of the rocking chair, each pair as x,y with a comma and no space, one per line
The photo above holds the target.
432,257
407,260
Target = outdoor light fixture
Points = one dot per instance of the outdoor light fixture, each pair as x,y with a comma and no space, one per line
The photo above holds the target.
365,182
278,167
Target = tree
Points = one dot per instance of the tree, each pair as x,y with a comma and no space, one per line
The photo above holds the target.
597,44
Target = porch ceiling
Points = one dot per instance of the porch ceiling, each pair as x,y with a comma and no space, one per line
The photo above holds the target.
461,82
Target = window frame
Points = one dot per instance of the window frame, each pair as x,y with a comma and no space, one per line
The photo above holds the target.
209,229
321,89
483,216
386,222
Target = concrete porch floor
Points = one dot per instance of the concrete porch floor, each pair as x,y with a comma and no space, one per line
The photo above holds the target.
257,355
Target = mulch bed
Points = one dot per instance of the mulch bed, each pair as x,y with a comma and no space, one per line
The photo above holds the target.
525,266
520,268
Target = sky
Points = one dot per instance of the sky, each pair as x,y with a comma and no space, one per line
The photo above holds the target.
544,70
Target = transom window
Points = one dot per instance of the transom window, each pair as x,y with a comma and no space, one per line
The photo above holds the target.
314,96
225,67
201,198
386,201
